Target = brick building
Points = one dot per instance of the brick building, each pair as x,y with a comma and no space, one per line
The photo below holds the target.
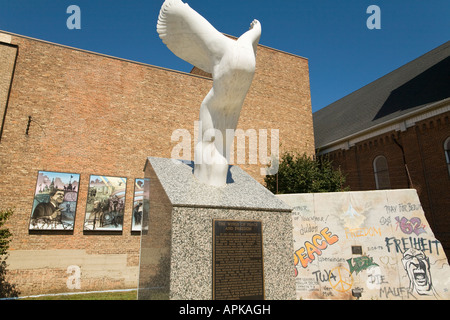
395,133
71,111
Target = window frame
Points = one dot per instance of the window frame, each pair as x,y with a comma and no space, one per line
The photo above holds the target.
447,154
377,172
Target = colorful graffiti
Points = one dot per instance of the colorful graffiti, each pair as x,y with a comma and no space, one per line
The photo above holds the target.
318,243
409,226
359,264
405,243
343,281
362,232
366,245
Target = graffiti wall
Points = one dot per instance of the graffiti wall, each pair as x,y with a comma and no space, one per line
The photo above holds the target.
366,245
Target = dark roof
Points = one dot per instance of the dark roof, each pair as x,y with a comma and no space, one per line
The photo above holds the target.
413,86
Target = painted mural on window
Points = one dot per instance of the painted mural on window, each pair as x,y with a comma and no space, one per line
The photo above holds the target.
55,201
105,203
140,203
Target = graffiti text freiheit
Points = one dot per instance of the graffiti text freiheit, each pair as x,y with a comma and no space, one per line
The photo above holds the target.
403,244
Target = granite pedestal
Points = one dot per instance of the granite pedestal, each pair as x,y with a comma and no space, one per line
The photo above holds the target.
176,259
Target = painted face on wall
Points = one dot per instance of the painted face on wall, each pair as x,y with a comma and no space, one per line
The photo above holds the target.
58,198
417,265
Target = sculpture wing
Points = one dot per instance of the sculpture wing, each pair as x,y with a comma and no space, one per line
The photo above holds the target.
190,36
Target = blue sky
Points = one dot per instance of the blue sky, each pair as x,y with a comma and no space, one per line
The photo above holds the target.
65,177
343,53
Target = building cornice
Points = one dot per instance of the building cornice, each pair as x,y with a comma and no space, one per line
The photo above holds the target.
6,37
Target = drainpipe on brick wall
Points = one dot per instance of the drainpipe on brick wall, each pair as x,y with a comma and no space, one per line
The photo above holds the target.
427,184
410,184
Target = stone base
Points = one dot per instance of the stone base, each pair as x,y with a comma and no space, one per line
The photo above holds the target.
176,245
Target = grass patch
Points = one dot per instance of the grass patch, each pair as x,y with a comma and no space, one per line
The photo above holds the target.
121,295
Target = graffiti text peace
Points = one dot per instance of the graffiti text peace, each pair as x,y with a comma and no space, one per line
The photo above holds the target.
319,242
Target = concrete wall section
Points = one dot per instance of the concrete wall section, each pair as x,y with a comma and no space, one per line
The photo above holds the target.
366,245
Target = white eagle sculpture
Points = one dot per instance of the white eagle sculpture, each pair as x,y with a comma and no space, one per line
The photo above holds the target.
232,65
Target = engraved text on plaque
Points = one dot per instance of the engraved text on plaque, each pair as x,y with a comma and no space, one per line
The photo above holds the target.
237,260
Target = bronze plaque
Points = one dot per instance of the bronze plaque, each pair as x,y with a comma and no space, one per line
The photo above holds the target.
238,272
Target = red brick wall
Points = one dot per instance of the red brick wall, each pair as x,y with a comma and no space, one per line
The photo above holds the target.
435,182
93,114
423,146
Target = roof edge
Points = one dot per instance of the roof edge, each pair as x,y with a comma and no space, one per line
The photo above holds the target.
430,107
432,51
270,48
133,61
101,54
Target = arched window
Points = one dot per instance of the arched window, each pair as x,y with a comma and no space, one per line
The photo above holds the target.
447,153
381,172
